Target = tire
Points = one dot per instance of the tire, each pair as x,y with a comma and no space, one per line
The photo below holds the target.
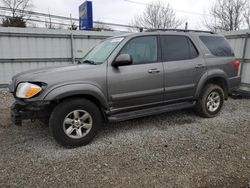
75,122
207,107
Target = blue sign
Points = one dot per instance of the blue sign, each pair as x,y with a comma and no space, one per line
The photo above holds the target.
86,16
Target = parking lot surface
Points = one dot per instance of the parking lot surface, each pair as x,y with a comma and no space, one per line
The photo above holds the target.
177,149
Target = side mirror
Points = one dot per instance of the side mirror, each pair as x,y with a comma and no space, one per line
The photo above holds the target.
122,60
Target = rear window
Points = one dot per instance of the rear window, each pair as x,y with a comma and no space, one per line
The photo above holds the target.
217,45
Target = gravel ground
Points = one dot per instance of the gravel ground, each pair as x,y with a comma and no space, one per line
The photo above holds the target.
177,149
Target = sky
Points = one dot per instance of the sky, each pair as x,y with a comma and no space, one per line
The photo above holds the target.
122,11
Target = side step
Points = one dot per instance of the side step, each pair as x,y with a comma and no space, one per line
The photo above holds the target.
149,111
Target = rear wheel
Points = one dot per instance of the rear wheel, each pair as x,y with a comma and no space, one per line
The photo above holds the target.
210,101
75,122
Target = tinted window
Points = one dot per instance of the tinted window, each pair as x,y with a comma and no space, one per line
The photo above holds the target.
142,49
175,48
217,45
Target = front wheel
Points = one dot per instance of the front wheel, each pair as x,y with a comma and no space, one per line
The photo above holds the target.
75,122
210,101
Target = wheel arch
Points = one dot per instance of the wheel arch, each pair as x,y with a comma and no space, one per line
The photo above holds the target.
213,77
87,91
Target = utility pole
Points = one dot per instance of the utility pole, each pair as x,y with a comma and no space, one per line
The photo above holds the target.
71,22
186,26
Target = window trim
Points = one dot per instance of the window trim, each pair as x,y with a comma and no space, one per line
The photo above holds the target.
158,49
189,49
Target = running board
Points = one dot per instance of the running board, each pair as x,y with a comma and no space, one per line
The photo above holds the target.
149,111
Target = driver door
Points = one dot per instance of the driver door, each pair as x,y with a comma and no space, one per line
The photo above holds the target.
138,84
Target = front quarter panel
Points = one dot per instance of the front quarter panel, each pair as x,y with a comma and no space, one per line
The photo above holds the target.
76,89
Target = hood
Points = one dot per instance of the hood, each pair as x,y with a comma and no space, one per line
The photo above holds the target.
53,75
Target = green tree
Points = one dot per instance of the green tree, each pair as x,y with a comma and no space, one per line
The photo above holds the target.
19,16
13,22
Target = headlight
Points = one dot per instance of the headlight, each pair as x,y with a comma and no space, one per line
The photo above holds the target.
27,90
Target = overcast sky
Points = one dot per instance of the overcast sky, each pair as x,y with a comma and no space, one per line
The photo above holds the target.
122,11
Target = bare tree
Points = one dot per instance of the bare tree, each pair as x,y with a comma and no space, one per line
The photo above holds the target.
226,15
18,17
157,15
246,14
49,24
18,7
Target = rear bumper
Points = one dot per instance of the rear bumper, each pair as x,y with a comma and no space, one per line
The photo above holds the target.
243,93
234,84
23,110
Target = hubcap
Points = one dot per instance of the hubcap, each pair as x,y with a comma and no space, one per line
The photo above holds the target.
213,101
77,124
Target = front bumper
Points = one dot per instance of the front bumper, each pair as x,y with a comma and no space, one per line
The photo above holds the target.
21,110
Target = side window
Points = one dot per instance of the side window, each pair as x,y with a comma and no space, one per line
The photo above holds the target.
217,45
176,48
142,49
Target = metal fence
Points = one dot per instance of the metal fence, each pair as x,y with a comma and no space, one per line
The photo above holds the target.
27,48
240,42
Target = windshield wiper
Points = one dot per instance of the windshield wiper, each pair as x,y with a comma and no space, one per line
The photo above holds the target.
89,62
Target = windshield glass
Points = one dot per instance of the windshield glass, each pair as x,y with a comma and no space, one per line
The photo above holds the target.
102,51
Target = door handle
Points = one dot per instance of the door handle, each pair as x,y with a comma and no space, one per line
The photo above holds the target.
152,71
198,66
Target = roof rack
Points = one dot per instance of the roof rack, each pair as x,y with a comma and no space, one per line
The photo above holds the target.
180,30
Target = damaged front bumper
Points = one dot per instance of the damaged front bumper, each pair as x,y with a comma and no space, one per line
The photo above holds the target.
22,110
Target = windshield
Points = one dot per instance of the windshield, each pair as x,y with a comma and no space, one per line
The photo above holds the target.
102,51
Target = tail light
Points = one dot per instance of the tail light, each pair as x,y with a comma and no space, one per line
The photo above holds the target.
236,64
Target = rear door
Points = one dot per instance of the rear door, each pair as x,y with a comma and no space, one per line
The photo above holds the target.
183,67
141,83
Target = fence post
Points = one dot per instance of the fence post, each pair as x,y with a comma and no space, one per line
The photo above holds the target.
72,41
244,53
72,47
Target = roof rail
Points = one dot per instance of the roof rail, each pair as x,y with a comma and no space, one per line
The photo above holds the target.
180,30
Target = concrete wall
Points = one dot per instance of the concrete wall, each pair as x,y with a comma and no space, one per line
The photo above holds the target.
28,48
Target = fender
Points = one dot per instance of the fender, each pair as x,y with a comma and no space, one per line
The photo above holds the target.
213,73
76,89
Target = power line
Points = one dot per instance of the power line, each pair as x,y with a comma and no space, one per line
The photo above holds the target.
178,10
41,21
32,13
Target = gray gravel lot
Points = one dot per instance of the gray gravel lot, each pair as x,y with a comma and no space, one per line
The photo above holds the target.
177,149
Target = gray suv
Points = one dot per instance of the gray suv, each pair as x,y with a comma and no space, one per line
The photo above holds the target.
126,77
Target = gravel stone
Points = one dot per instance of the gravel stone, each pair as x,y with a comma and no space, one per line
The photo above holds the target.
177,149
